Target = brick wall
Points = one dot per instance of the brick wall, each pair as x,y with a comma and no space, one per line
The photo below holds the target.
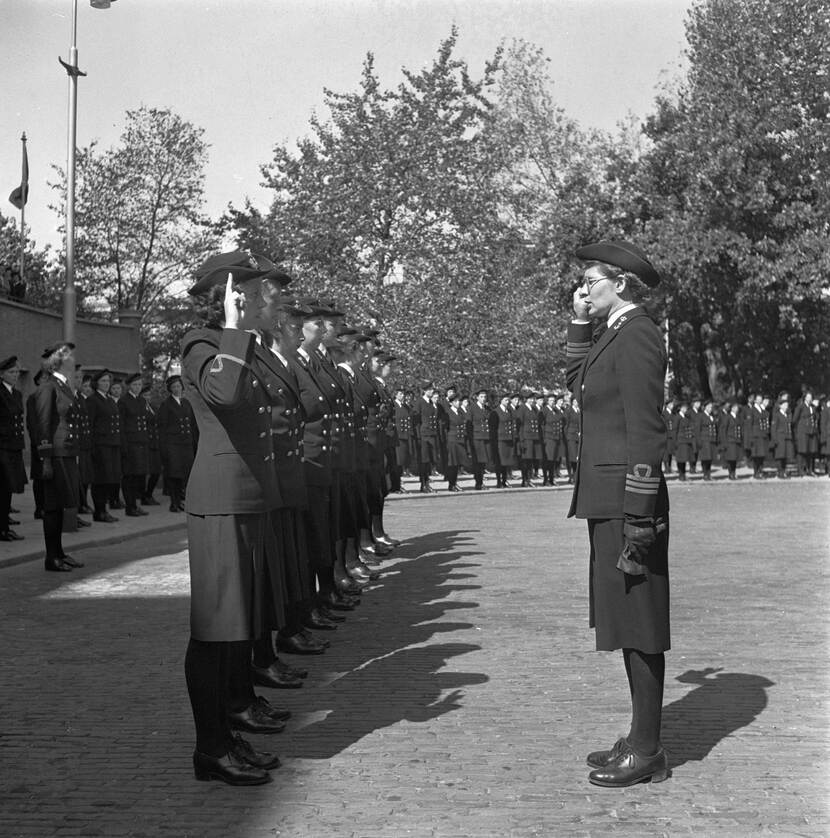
26,331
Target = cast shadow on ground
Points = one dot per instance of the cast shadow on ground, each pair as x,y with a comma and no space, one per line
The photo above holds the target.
695,724
101,715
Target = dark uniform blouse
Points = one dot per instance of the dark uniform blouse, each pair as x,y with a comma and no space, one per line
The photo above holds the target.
105,421
135,447
177,437
12,439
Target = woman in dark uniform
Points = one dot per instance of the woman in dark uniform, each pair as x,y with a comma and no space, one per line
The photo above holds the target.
105,423
232,488
733,439
56,417
12,442
458,450
504,432
135,445
177,441
619,488
154,454
781,435
684,431
482,457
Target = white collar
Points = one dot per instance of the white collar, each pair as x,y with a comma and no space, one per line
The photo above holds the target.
60,376
301,351
619,313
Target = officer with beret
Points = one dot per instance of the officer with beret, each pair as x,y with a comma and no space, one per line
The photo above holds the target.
231,490
684,432
553,437
480,445
782,443
733,439
135,448
572,423
806,432
425,425
758,441
105,422
12,442
56,423
707,439
619,488
402,425
530,440
86,469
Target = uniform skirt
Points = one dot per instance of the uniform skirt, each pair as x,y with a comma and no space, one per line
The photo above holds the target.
12,470
288,528
317,519
106,463
552,450
86,469
62,491
457,455
228,577
482,453
628,612
507,454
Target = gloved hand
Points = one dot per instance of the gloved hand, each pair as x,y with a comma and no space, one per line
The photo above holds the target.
639,535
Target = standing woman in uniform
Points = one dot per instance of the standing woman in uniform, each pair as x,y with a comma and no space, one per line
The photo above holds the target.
502,418
458,453
231,489
12,441
781,435
105,424
619,488
177,441
154,455
56,418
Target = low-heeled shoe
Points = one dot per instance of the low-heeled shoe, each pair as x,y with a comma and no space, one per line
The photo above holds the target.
314,619
57,566
71,562
331,615
273,678
244,751
254,720
104,518
287,669
312,638
10,535
279,713
599,759
393,542
230,768
297,644
629,768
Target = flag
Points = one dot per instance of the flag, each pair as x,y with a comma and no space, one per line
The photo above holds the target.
20,195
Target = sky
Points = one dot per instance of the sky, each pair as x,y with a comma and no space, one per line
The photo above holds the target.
252,72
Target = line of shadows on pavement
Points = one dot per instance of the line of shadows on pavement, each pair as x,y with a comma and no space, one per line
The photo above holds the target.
695,724
97,719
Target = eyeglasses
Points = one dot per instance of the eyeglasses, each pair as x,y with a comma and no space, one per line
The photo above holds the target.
590,283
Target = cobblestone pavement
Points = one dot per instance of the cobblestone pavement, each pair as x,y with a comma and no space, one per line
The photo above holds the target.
458,701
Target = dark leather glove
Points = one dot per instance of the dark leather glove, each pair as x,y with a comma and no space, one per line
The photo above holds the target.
639,535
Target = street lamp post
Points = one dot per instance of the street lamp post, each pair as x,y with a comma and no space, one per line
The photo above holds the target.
69,299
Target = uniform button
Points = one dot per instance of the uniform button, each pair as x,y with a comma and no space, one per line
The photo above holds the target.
325,416
261,410
319,398
254,383
268,409
302,459
262,435
289,454
324,448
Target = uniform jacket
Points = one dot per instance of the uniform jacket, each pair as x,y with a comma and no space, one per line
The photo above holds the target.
781,435
458,450
367,392
12,421
670,421
178,436
319,405
707,440
342,427
104,419
233,472
425,419
733,437
287,424
805,428
572,422
619,383
685,438
358,412
758,441
56,419
135,445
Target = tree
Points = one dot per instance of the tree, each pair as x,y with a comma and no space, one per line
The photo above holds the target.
736,196
139,215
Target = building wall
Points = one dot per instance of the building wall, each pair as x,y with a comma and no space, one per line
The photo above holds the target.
26,331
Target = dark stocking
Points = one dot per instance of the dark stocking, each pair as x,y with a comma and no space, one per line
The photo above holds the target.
646,673
239,686
52,526
203,665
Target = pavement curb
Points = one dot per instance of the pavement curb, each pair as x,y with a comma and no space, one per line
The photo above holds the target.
11,561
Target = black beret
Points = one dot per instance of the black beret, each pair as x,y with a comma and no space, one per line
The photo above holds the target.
146,388
294,308
427,385
134,377
51,350
8,363
623,255
99,374
171,380
344,330
280,277
241,264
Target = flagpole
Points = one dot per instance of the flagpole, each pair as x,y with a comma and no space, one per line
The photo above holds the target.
69,301
23,178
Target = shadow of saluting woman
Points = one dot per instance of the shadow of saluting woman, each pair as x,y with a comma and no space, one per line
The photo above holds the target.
722,704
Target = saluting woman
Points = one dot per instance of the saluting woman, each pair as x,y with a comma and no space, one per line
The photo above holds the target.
231,489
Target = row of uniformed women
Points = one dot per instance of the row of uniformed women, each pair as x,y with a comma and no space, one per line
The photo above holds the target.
284,502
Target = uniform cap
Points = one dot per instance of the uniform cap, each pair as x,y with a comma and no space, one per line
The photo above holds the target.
99,374
8,363
241,264
136,376
623,255
171,380
51,350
